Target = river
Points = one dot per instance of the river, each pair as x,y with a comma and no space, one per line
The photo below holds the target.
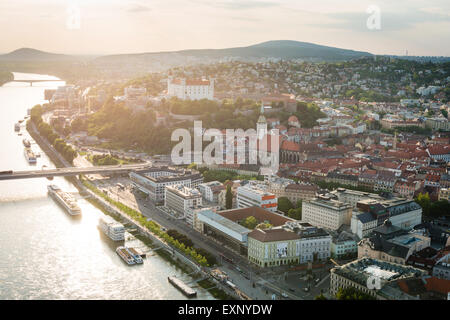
45,253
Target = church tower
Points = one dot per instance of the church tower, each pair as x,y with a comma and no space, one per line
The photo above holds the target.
394,146
261,125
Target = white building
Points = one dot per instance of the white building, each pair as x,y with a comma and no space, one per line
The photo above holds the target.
180,198
154,181
352,197
371,213
210,190
250,196
343,244
358,273
190,89
293,242
428,90
326,213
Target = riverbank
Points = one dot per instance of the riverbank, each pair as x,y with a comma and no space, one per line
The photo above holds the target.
158,245
5,76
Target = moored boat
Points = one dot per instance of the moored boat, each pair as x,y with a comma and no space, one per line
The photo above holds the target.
64,199
26,143
125,255
111,228
29,155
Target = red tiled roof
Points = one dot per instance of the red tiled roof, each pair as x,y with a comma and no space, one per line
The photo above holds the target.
439,149
290,146
437,285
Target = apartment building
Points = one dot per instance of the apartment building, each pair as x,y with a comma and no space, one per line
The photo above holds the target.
179,198
293,191
252,195
326,213
211,190
153,181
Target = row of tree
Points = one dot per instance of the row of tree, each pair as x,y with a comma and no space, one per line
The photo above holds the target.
153,227
222,175
47,132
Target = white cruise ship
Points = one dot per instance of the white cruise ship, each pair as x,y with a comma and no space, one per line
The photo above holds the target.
64,199
113,229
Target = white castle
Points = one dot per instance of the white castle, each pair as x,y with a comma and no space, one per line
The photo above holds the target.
190,89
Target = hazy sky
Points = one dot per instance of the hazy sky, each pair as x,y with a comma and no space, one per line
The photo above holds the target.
125,26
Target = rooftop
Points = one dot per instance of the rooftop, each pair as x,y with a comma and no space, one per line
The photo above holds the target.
183,191
260,214
227,223
361,269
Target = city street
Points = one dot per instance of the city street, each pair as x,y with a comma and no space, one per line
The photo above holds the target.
240,272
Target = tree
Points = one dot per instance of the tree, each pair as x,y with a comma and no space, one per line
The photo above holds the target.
228,198
263,225
320,297
250,222
351,293
284,204
295,213
424,201
440,208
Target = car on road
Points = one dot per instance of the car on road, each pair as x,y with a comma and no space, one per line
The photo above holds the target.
292,290
238,269
317,280
306,289
163,229
284,295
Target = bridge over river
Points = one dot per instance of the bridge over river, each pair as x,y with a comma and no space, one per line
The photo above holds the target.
70,171
30,81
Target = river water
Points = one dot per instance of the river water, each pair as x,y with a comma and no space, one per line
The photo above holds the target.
44,252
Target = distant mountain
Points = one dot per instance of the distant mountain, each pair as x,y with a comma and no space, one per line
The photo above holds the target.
28,54
283,49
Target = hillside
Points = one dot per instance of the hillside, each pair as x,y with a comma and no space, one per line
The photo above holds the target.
284,49
28,54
